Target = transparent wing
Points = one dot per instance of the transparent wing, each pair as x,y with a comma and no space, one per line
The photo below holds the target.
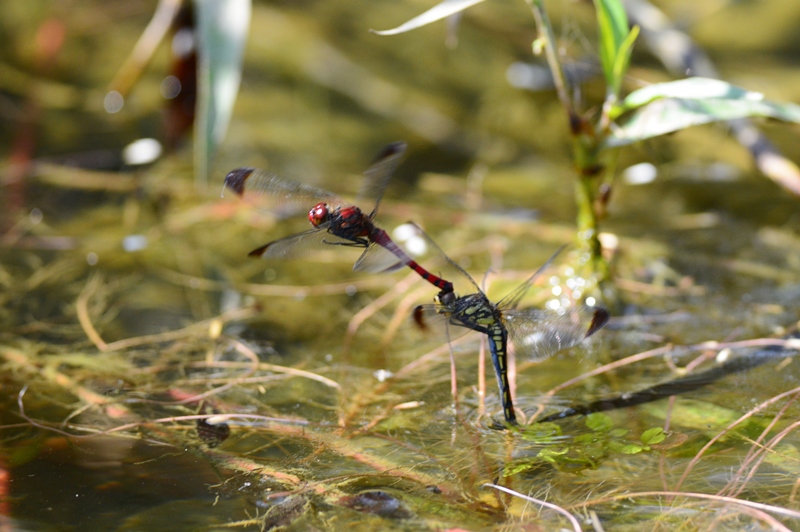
281,196
537,334
378,259
437,320
512,299
376,177
299,245
444,256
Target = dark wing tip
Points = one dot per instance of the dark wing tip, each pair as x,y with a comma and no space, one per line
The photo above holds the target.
392,149
599,319
419,317
259,252
236,178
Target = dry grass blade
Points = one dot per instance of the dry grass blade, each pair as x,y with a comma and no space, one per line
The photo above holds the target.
92,286
239,346
730,427
329,289
705,496
574,522
759,458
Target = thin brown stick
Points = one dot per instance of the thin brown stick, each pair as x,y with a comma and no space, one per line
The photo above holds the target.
611,366
189,331
201,283
401,314
384,299
672,494
145,48
82,309
726,430
766,450
574,522
239,346
752,452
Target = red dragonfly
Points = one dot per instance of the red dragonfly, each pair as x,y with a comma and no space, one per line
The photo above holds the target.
335,222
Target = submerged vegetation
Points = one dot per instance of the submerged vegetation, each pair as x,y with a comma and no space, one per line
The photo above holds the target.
157,378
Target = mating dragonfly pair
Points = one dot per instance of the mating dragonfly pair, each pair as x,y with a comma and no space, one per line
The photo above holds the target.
535,333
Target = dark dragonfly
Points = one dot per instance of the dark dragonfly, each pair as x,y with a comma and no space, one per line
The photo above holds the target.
534,333
336,222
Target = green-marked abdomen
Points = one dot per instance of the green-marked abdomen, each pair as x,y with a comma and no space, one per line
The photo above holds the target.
498,345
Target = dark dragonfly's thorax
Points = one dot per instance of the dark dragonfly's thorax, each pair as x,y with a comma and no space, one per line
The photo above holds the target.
475,312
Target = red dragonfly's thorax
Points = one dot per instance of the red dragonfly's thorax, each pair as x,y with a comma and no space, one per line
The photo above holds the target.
346,222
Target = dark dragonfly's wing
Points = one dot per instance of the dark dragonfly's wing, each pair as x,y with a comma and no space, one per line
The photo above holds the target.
299,245
512,299
277,194
376,177
537,334
439,321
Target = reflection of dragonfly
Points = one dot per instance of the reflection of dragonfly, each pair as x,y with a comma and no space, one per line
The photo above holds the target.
534,333
335,221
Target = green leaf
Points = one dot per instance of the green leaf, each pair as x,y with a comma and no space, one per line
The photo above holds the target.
542,433
671,114
631,448
612,24
599,422
442,10
653,436
589,437
688,89
701,415
618,432
521,466
551,455
222,27
622,61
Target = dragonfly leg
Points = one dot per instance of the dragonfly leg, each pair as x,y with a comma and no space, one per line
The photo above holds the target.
356,243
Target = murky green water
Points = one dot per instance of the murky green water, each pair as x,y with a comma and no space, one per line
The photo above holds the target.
107,353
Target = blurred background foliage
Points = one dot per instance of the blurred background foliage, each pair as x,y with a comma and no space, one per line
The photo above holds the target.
101,250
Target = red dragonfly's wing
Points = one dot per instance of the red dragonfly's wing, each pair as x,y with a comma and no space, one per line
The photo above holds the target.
378,259
280,195
376,177
299,245
537,334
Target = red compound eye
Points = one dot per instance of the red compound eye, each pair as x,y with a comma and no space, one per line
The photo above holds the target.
318,214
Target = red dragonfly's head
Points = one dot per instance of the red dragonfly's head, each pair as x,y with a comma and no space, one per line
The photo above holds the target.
318,214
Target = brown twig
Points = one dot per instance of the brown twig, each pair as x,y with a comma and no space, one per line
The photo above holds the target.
571,518
729,428
705,496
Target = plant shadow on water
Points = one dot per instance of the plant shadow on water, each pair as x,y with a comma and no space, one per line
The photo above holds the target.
155,378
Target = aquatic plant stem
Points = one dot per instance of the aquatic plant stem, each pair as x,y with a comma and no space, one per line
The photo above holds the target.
585,149
547,37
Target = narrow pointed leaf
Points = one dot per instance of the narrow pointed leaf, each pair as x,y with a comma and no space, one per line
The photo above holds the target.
222,27
690,89
623,60
612,23
442,10
672,114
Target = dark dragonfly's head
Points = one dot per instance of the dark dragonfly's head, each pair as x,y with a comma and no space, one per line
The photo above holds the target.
446,298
